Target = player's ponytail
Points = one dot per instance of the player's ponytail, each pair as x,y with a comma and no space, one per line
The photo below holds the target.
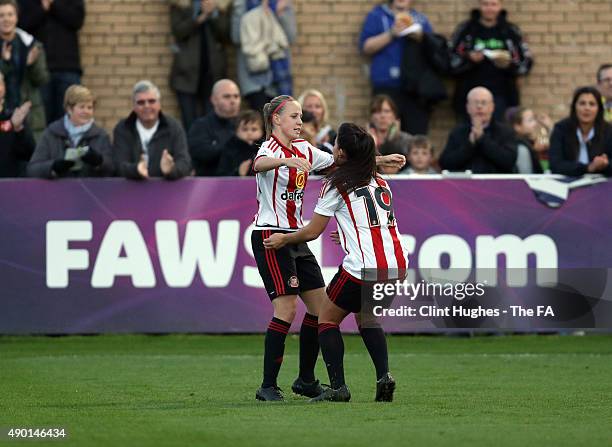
276,105
360,164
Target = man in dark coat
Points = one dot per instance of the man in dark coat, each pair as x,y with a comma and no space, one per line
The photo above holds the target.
56,24
209,134
483,145
489,51
148,143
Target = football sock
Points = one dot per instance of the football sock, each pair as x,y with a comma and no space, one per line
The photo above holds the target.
309,347
332,348
374,340
274,349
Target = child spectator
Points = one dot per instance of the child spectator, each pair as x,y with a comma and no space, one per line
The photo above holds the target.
237,154
526,128
420,156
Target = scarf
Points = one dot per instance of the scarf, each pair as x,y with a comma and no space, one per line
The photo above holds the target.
75,133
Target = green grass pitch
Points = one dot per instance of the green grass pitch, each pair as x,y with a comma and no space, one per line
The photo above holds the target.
199,391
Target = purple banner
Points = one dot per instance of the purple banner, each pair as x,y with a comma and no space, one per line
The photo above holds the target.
91,256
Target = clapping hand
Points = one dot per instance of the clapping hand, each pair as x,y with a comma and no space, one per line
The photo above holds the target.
477,131
19,115
167,162
33,55
207,7
599,163
142,168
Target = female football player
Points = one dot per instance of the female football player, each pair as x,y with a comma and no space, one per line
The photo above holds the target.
362,204
282,166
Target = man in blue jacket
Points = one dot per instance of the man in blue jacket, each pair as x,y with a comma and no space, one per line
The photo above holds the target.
383,37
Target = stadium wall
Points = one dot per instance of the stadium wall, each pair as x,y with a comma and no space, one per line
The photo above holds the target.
127,40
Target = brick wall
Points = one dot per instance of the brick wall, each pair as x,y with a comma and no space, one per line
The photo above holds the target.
127,40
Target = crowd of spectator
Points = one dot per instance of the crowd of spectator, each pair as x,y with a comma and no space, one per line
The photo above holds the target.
47,118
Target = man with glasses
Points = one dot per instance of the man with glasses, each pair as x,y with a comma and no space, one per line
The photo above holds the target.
482,145
604,85
148,143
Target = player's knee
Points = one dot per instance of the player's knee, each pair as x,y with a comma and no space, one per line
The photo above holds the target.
285,309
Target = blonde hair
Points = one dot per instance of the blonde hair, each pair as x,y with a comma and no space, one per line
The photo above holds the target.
77,94
275,106
317,94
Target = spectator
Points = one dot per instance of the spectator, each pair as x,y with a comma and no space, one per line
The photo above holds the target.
582,143
420,156
385,127
263,57
381,38
238,153
16,139
523,122
483,145
313,101
73,146
604,84
23,65
208,134
489,51
200,29
148,143
56,24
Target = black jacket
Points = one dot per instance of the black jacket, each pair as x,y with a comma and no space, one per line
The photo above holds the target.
53,144
127,148
233,154
198,49
57,29
206,138
16,148
421,68
494,153
506,36
564,149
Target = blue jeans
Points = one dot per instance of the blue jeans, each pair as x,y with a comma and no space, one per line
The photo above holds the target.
53,92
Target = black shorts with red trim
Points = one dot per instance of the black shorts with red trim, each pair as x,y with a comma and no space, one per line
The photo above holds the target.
345,290
288,270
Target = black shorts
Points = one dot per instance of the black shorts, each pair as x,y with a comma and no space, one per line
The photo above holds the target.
286,271
344,291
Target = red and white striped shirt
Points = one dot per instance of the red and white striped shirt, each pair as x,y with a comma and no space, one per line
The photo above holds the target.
280,191
367,228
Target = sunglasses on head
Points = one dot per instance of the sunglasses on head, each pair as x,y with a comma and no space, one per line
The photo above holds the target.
142,102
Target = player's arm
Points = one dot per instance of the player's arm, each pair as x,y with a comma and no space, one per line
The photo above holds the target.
309,233
393,160
263,164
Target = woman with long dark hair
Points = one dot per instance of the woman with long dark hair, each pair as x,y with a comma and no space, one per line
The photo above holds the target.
362,204
582,143
282,165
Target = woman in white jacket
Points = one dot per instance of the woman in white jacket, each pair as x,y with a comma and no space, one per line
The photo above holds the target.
258,87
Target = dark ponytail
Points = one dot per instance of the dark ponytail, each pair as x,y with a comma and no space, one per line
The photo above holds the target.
271,107
360,164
